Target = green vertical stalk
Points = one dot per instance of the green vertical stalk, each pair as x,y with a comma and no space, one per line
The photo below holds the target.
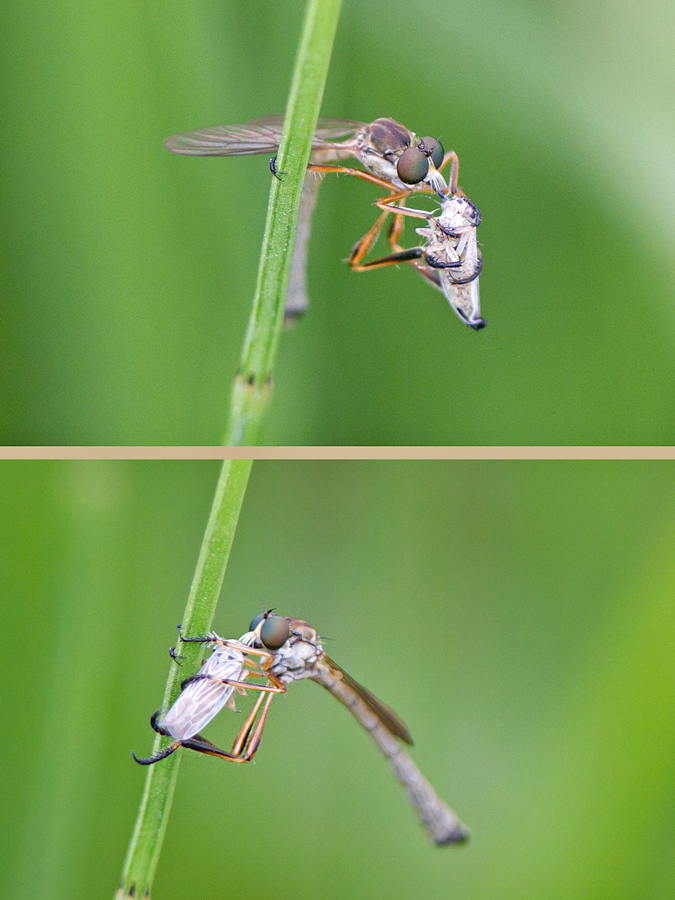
153,815
253,384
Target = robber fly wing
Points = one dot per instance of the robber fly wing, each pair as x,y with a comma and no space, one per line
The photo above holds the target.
203,699
256,136
393,723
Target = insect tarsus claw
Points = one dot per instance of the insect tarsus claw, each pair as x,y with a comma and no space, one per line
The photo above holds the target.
273,169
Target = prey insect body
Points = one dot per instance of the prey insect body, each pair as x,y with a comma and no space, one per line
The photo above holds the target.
291,650
449,258
204,695
451,251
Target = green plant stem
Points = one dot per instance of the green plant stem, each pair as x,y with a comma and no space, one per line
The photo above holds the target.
148,836
253,384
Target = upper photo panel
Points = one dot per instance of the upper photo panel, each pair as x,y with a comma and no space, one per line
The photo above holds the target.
318,223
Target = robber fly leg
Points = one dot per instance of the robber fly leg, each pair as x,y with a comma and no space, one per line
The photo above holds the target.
263,688
248,739
242,738
395,232
362,246
357,173
149,761
208,639
454,171
213,638
254,743
386,204
201,745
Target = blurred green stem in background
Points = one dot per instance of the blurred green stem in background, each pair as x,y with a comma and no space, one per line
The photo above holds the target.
253,384
153,815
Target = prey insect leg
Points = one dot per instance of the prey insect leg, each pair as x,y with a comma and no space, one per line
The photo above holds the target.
162,754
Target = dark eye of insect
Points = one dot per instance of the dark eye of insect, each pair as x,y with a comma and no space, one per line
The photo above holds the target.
412,166
434,149
255,622
275,632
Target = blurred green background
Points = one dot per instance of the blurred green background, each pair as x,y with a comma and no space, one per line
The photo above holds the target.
519,616
129,272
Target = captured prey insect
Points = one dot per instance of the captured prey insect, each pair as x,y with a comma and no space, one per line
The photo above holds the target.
206,693
450,258
394,158
291,650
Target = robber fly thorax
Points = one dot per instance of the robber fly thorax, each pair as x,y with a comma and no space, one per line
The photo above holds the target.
298,657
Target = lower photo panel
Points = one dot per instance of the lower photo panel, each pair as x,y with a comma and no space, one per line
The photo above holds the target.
499,637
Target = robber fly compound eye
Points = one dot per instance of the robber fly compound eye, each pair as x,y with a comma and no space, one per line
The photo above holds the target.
275,632
412,166
434,149
255,622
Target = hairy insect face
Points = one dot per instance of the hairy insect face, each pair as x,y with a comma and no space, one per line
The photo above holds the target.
295,659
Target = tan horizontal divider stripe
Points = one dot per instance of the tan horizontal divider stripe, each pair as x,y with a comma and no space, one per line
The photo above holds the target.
337,452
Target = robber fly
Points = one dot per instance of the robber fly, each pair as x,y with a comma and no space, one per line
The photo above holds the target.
291,650
394,158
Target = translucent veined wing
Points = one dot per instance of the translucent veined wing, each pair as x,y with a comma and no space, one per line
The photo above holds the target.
393,723
464,299
201,700
256,136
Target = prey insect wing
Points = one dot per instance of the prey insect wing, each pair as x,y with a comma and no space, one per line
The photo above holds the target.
465,300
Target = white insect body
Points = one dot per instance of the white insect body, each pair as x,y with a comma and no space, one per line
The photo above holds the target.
452,252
